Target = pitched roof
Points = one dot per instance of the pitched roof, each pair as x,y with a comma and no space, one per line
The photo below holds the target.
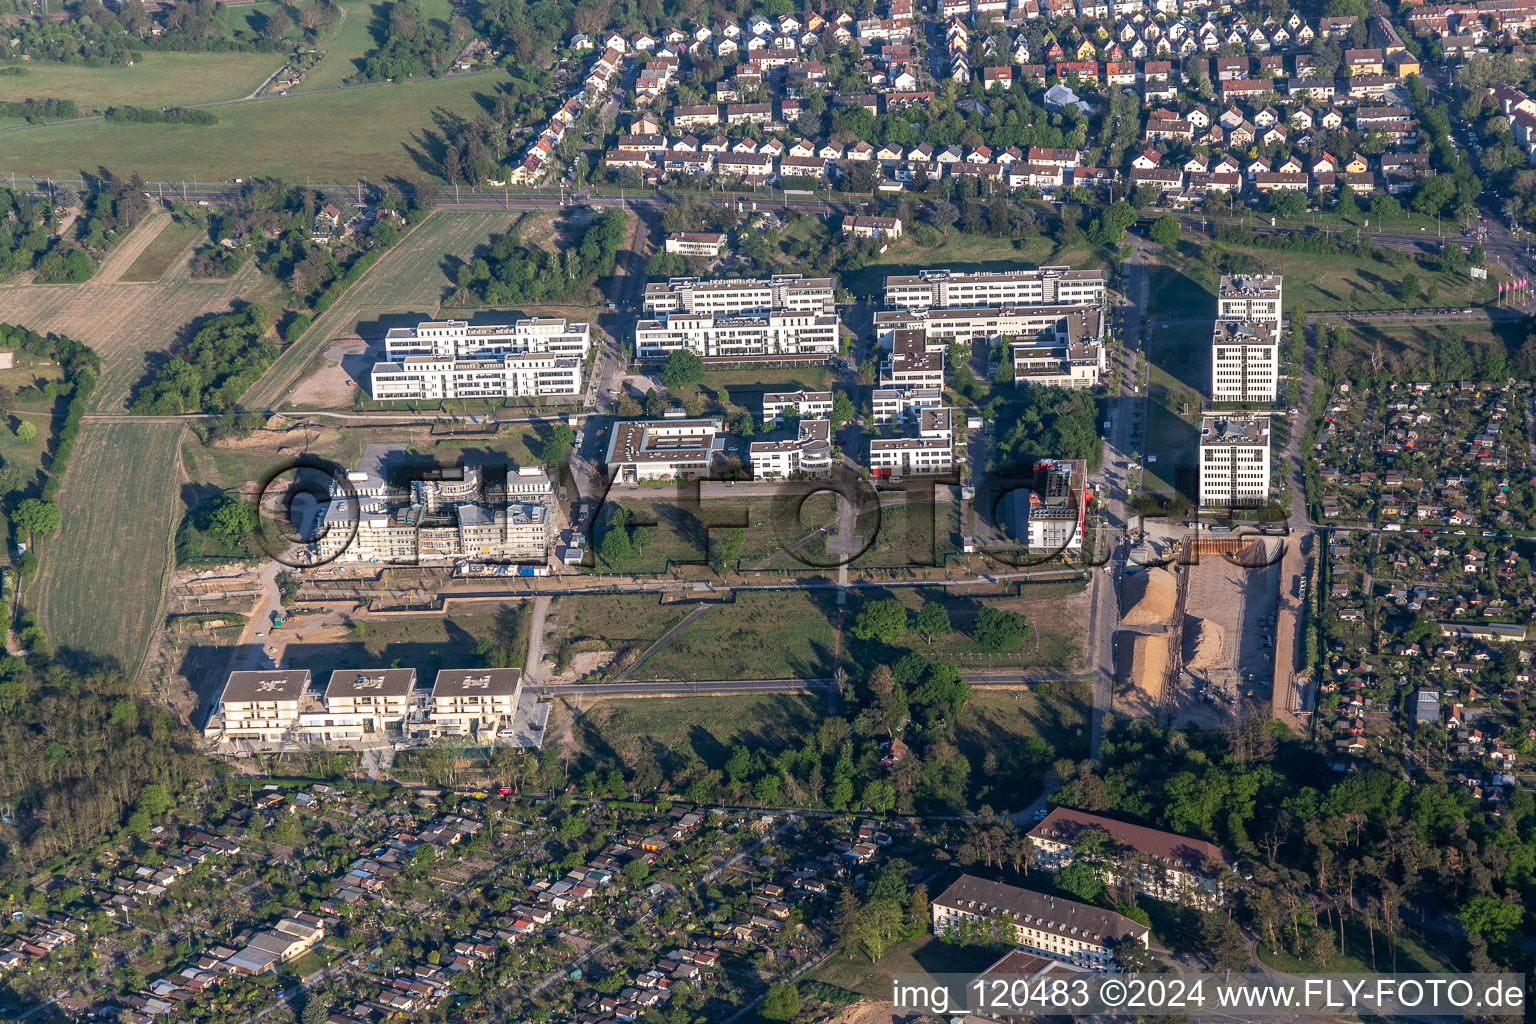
1039,910
1062,825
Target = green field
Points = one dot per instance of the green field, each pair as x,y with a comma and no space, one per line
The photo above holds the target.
379,131
1055,612
405,286
924,955
764,635
161,254
100,591
1316,283
159,80
706,727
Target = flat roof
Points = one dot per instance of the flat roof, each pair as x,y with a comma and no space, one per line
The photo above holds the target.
1223,430
378,682
272,684
477,682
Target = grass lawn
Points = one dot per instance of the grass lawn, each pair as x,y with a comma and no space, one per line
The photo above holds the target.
1319,282
162,253
923,955
961,252
761,635
101,587
385,130
160,79
683,533
684,727
1004,720
613,621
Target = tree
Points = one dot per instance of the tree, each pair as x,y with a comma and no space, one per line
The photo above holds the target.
932,621
557,449
26,430
1383,205
616,546
1081,880
999,630
842,409
232,520
884,620
782,1002
315,1010
684,366
1165,231
36,516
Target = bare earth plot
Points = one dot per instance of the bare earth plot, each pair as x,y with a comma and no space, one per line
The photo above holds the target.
406,285
101,588
123,321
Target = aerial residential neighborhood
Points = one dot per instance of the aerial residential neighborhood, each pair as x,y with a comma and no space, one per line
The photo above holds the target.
757,512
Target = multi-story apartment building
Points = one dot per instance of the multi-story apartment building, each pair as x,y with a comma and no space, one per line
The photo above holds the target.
1060,929
442,515
889,405
1160,864
808,453
738,335
450,359
1245,362
444,378
1234,461
788,292
912,363
476,702
1060,345
674,448
260,706
459,338
911,456
1058,286
359,702
807,405
1251,297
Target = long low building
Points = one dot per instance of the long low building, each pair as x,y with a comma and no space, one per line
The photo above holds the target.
1060,345
911,456
673,448
461,338
1160,864
790,292
1060,929
738,335
807,405
1041,286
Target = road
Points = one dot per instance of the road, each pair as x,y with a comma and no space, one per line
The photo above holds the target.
978,678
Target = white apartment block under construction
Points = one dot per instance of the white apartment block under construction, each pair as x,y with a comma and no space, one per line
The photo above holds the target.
739,336
272,706
1234,461
1245,362
1049,286
786,292
438,517
452,359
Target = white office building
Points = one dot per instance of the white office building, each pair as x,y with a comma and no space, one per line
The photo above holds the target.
789,292
738,335
1234,461
445,360
807,405
911,456
1245,362
807,454
892,405
1047,925
1059,286
1251,297
673,448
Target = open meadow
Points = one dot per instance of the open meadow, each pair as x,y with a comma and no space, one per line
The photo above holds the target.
122,320
100,591
406,286
388,130
160,79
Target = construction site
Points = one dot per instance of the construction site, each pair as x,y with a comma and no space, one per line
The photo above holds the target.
1197,634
